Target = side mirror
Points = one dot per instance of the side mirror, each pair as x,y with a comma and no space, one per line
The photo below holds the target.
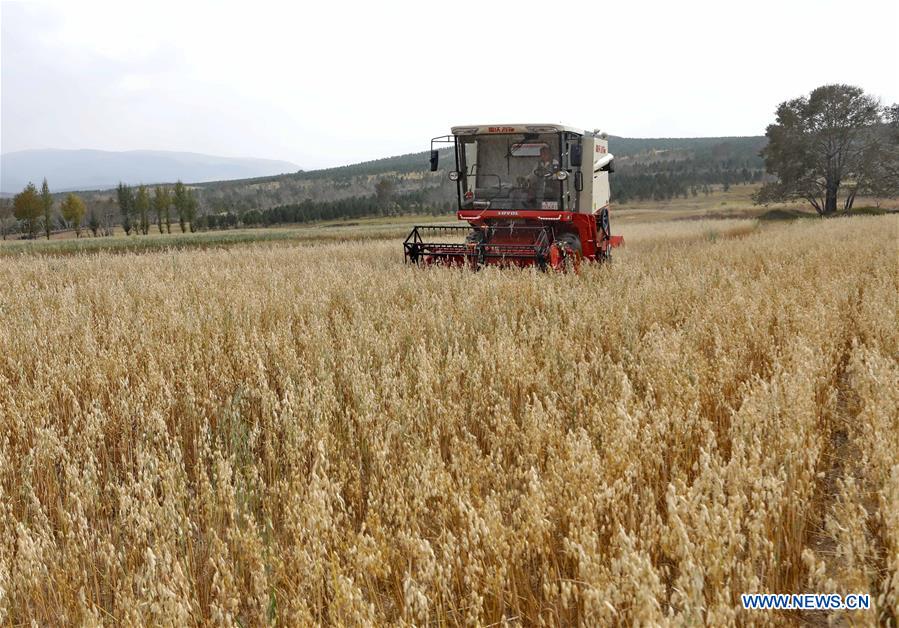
579,181
435,156
577,155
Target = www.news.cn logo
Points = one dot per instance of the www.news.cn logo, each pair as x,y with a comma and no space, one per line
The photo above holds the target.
805,601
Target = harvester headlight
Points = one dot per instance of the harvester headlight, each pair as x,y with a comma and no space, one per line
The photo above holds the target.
561,175
454,175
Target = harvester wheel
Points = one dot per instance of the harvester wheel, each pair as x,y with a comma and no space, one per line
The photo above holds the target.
565,253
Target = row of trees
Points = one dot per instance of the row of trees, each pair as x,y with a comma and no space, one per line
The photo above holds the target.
136,209
418,202
133,208
136,206
34,209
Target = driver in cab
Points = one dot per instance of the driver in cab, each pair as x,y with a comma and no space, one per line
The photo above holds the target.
541,174
547,165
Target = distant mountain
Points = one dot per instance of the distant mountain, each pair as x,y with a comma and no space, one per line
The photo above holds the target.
98,169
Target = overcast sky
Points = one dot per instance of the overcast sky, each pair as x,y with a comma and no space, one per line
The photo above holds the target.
328,83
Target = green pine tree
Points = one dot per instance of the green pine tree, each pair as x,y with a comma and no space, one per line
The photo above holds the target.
180,201
47,206
125,197
142,208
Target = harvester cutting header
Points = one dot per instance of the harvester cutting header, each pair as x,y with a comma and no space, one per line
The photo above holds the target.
532,194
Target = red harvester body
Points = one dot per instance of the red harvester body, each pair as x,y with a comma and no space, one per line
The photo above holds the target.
522,190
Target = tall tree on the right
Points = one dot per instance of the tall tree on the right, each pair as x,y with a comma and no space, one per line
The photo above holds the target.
836,137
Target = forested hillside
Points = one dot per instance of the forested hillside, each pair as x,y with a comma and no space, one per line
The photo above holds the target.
646,168
651,168
658,168
663,168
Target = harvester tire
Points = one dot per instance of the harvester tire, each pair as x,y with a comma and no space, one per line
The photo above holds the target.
568,253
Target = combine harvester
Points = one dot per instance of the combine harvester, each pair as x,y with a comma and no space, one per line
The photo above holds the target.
521,190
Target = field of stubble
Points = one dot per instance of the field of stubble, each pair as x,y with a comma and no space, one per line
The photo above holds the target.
302,434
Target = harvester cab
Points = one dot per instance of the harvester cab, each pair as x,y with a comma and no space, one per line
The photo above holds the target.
532,194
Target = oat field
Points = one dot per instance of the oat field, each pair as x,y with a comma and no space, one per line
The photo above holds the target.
300,434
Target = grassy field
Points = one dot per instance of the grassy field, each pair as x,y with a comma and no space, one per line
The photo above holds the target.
302,430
